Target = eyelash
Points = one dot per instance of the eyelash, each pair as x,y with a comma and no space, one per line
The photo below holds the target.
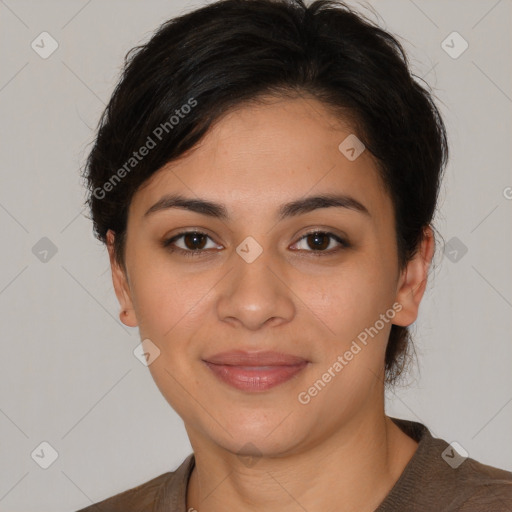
167,244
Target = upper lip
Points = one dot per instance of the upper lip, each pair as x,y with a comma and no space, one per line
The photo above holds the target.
243,358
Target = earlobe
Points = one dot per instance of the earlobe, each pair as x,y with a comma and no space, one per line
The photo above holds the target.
413,280
121,285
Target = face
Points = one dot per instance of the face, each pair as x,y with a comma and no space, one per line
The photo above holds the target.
272,320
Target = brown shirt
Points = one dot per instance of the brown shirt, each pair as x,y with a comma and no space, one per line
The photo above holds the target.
435,479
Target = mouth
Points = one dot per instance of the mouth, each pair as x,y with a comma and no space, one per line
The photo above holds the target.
255,371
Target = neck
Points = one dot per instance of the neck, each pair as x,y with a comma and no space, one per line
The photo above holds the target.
353,470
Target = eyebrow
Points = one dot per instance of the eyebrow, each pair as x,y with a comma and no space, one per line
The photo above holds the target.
287,210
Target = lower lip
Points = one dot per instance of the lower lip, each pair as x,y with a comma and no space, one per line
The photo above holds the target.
255,378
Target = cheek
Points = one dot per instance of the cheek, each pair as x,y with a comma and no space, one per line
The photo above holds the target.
351,298
166,298
172,308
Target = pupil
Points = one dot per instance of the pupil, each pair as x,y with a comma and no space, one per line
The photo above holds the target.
316,237
194,237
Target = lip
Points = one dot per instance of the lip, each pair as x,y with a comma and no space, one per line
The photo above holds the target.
255,371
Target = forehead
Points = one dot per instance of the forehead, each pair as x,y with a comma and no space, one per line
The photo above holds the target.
259,156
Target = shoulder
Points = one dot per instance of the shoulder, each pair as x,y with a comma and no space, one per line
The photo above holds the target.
483,488
441,476
148,496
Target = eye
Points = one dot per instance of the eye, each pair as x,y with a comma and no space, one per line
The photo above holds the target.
320,241
194,243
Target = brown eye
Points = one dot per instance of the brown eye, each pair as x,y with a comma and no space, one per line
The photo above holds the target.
193,243
318,241
194,240
322,242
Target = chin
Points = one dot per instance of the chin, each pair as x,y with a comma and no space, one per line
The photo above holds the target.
262,433
259,446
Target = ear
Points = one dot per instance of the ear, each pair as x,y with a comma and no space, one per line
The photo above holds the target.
413,281
121,286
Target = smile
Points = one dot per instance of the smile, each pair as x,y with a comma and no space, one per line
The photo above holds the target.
255,372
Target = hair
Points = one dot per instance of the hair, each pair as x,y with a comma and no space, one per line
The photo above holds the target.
205,63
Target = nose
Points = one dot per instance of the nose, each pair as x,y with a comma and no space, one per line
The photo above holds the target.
255,294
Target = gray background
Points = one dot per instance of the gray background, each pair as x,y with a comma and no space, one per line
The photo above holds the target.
68,373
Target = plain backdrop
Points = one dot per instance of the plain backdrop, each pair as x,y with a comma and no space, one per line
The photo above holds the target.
68,374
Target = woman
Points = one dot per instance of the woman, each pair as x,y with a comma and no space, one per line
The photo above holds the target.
265,178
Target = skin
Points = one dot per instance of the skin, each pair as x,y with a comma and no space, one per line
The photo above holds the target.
340,451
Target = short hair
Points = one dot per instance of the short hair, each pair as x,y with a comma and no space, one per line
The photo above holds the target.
205,63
